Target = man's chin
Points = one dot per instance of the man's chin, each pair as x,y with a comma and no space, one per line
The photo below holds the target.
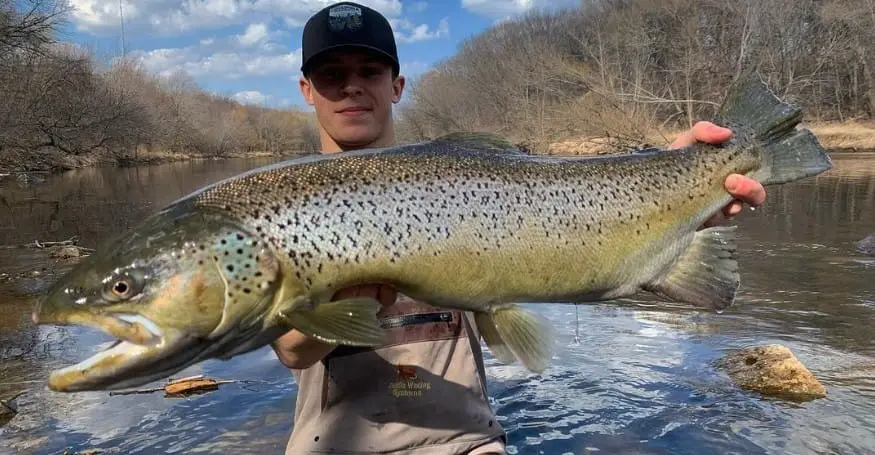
352,140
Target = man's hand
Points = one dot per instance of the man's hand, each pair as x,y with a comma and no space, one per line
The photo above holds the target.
743,189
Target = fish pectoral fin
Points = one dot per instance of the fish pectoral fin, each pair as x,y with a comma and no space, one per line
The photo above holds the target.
706,274
351,322
511,332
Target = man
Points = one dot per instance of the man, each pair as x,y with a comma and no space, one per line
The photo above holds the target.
424,392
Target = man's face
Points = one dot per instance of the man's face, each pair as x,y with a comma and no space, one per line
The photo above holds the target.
353,92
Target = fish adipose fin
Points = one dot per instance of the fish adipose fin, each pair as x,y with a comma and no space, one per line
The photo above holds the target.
706,274
351,322
514,333
755,114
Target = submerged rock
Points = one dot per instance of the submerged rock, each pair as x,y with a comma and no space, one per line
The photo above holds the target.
66,252
867,245
774,371
8,408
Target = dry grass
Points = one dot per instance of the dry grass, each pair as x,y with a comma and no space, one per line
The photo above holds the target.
845,136
856,136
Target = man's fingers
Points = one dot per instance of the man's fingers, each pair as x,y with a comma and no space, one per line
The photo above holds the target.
746,189
684,140
702,132
711,133
734,208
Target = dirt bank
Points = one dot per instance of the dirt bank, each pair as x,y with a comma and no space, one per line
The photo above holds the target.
847,136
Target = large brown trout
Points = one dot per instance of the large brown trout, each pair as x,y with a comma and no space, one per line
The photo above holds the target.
465,221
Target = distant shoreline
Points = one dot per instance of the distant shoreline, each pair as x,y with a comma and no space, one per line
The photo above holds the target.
833,136
54,162
836,137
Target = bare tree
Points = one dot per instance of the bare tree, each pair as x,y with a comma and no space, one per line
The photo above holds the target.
627,68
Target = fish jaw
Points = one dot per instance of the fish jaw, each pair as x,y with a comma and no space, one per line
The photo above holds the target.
127,362
183,299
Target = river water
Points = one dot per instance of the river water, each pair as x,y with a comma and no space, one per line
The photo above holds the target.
630,376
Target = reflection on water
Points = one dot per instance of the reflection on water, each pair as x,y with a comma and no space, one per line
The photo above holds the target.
639,381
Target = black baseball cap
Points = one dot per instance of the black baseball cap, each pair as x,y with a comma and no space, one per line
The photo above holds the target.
348,24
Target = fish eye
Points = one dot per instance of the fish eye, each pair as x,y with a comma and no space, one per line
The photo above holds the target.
122,288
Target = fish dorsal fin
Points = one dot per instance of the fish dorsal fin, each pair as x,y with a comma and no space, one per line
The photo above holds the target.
481,140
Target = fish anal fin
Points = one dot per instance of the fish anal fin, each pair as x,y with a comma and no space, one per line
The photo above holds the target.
706,275
514,333
493,340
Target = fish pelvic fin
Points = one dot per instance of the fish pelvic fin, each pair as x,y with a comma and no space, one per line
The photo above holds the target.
706,275
350,322
788,154
514,333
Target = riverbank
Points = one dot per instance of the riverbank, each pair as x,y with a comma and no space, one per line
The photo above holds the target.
843,137
49,160
838,136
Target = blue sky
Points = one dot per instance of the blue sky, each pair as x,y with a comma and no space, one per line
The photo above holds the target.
250,49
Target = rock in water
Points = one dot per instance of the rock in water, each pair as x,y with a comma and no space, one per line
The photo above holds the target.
772,370
66,252
8,408
867,245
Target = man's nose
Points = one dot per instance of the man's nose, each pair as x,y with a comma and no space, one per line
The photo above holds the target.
352,85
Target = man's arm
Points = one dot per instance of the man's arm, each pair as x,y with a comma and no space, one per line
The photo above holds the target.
743,189
298,351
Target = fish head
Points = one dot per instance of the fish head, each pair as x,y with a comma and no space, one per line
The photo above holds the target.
182,287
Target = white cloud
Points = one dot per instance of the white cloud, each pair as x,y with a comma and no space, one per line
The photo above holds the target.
169,17
416,7
253,34
257,51
421,32
501,8
228,65
251,97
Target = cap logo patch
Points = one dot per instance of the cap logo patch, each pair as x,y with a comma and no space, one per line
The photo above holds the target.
344,17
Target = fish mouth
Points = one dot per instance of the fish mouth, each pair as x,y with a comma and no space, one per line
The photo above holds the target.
142,352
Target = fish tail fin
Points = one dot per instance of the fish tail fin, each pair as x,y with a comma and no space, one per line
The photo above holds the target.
512,333
706,274
753,111
351,322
